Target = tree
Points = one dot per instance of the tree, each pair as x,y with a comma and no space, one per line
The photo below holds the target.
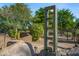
39,14
16,16
65,20
76,27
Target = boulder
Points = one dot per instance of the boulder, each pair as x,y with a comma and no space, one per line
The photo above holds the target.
18,49
74,51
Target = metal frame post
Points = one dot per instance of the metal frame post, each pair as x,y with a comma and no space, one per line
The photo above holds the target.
45,33
55,30
55,40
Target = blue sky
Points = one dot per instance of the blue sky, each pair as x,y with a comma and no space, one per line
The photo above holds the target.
74,7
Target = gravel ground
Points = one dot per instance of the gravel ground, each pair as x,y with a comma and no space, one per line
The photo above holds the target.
63,48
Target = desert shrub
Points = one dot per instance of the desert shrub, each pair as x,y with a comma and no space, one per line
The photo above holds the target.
36,31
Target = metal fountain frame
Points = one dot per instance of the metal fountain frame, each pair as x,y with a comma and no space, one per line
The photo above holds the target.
55,40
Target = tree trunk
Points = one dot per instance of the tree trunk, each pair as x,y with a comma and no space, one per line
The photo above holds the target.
16,30
18,35
67,35
72,36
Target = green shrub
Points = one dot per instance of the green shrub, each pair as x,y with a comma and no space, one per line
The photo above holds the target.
11,33
36,31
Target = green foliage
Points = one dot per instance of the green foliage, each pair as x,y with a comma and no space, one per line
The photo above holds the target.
12,33
18,15
36,31
77,23
20,12
40,15
14,17
65,19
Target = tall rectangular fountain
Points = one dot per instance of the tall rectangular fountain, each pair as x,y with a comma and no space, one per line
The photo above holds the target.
50,29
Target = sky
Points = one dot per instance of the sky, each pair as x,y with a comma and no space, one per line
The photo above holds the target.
74,7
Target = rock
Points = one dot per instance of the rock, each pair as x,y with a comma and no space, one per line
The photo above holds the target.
18,49
74,52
